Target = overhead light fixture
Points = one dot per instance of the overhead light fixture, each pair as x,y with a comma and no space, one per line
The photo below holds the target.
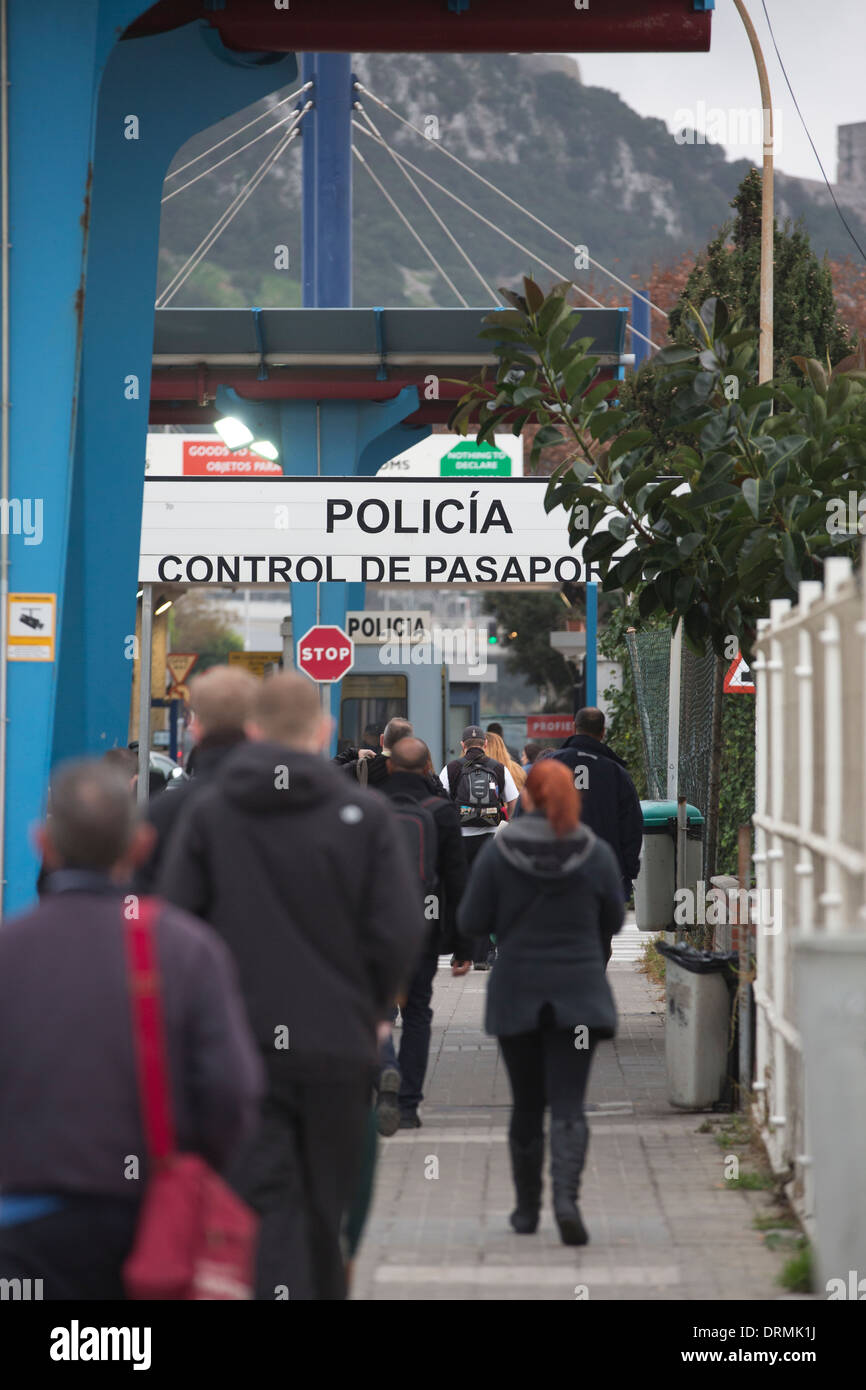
233,432
139,594
266,449
163,607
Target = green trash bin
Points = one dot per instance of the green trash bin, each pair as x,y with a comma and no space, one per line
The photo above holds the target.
656,883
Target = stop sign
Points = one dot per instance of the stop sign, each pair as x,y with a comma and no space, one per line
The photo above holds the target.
325,654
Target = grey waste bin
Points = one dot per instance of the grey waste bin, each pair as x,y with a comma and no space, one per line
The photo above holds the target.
699,1046
656,883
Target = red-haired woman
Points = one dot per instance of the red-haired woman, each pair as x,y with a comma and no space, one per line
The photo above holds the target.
549,890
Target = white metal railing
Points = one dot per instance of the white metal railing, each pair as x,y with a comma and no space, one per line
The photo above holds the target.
810,836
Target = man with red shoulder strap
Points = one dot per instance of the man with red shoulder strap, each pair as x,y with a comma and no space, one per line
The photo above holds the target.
73,1152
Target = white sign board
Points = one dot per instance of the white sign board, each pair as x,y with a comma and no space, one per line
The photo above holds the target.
371,627
372,530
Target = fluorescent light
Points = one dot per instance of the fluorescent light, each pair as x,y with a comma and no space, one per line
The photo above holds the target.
162,608
139,594
266,449
233,432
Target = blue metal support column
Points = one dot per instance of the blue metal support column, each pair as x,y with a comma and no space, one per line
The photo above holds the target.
327,284
590,667
56,58
327,183
175,83
640,319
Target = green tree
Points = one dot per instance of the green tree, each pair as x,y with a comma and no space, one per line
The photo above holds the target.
199,625
738,512
806,320
533,616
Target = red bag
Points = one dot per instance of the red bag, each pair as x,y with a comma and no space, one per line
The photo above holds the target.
195,1239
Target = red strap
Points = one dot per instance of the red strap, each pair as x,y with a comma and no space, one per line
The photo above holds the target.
148,1033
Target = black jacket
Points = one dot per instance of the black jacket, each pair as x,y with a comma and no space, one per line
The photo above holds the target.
306,878
69,1108
377,771
609,803
553,906
164,810
451,858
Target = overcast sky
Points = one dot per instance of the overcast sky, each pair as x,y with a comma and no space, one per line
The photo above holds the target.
822,44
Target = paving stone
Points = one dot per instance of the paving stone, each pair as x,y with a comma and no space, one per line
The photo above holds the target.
663,1224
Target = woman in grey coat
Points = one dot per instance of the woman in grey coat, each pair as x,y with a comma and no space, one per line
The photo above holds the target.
549,890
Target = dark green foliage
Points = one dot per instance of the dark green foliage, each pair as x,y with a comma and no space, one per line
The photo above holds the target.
734,514
737,782
805,317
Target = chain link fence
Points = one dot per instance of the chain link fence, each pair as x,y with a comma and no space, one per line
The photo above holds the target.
649,655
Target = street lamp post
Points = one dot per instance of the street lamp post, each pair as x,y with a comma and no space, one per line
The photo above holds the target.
765,349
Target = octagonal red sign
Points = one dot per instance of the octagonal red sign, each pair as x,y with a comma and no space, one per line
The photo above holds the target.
325,653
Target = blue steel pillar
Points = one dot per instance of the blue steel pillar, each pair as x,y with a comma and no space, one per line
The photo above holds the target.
85,229
56,55
590,667
326,269
640,319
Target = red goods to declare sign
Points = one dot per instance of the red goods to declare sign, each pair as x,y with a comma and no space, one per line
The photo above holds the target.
325,654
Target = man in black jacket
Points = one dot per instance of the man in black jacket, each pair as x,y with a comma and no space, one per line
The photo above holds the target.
407,784
368,765
221,700
609,802
73,1157
305,876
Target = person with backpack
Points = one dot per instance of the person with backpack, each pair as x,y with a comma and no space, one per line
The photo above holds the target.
484,792
432,830
549,888
75,1159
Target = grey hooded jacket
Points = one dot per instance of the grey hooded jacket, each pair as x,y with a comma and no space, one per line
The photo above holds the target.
553,905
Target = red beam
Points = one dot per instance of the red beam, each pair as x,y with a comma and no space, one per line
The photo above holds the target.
429,26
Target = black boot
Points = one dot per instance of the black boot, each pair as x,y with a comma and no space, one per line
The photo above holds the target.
569,1140
526,1164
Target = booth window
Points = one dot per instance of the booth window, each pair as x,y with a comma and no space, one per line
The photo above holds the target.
366,705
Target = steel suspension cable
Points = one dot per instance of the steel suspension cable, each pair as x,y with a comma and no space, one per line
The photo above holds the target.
226,217
493,226
290,121
428,205
494,189
260,117
404,219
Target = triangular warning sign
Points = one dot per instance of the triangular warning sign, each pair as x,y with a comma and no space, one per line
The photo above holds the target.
737,678
180,664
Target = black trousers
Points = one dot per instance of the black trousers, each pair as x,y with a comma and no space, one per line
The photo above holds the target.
545,1069
415,1035
300,1173
473,845
77,1252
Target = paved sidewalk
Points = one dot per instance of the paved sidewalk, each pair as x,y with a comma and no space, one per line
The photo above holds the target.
661,1222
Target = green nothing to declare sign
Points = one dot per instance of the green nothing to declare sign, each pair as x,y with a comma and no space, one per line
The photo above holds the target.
470,459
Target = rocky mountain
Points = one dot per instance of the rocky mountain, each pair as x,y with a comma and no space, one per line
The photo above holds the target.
600,175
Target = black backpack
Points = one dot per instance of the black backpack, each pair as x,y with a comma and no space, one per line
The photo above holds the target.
476,790
422,838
